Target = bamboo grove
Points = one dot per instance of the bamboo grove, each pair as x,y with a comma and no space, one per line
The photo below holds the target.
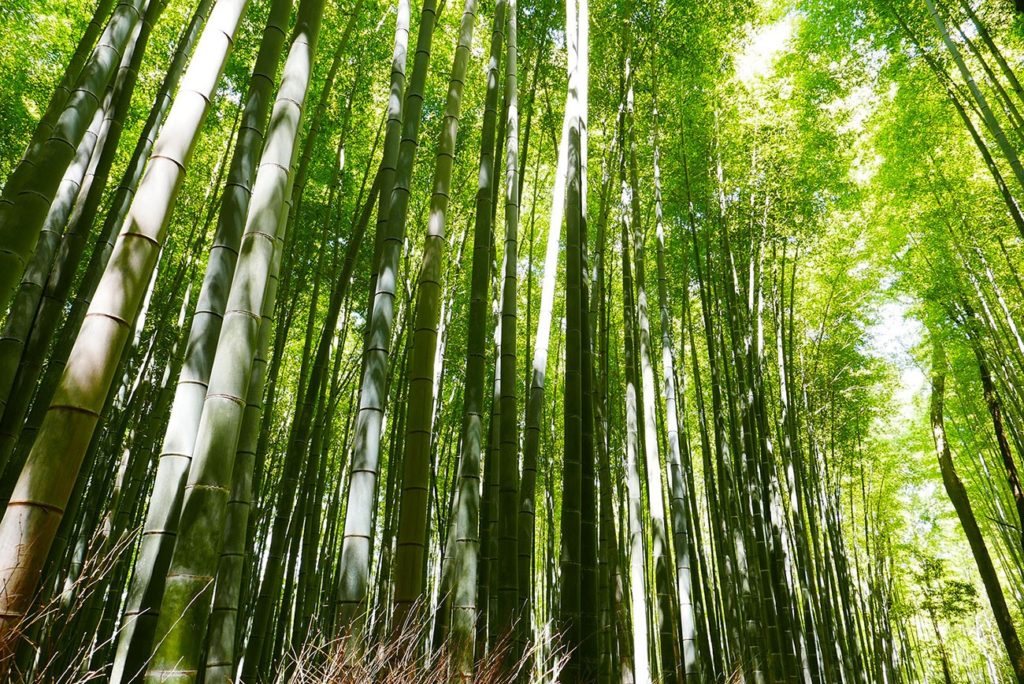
507,340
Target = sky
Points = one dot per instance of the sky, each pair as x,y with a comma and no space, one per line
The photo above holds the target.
892,338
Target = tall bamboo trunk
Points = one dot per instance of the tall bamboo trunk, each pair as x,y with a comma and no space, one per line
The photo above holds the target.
467,517
680,484
188,596
508,497
160,528
308,399
362,489
664,615
572,475
414,512
958,496
535,400
222,655
36,507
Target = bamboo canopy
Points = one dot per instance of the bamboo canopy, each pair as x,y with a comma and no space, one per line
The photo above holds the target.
511,341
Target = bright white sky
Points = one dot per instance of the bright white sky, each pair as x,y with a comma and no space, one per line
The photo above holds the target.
763,46
892,338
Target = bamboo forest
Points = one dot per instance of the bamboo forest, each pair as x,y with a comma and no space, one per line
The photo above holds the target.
508,341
